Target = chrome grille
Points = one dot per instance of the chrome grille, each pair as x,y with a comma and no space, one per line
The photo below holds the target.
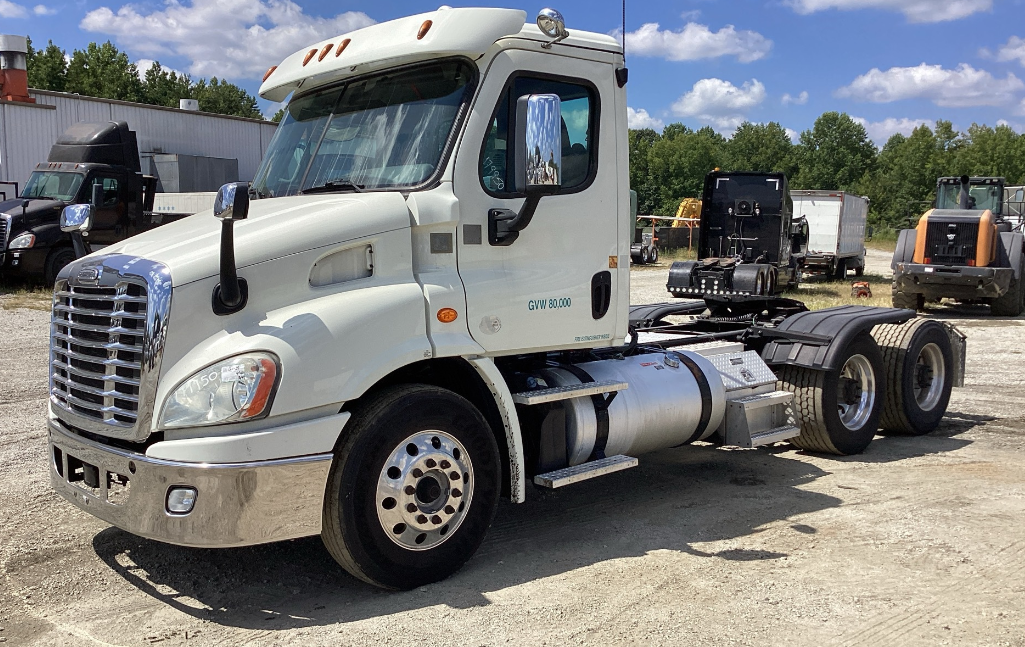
4,226
106,337
97,343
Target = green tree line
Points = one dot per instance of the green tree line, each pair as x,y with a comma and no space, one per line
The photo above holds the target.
105,72
836,154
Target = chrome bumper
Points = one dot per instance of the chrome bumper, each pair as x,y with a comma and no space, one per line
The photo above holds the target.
237,504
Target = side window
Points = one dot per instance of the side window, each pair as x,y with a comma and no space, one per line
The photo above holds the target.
579,112
109,190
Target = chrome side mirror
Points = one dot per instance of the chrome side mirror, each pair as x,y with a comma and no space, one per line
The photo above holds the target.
232,201
77,217
538,152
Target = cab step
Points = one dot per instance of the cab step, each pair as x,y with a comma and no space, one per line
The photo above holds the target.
584,471
760,419
554,394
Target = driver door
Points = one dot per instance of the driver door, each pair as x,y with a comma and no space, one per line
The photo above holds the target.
555,286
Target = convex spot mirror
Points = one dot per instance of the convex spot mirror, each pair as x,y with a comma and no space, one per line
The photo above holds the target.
538,153
77,217
232,201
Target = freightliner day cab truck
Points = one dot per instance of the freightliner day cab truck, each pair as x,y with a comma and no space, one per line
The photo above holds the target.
90,162
391,328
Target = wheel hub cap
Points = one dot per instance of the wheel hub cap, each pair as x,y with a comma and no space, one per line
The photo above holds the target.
424,490
930,374
856,392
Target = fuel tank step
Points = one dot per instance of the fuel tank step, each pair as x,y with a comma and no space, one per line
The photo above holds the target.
584,471
540,396
760,419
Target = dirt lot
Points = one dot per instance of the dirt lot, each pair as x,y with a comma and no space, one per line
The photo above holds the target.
919,541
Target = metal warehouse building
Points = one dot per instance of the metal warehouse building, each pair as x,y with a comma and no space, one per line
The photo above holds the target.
27,131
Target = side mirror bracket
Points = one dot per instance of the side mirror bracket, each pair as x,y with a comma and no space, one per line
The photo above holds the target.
232,293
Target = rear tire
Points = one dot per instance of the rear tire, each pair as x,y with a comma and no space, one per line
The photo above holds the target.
838,410
840,274
393,515
1012,302
56,260
919,365
645,258
908,300
654,254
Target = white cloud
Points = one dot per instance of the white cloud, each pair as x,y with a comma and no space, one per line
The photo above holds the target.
914,10
1016,127
10,10
695,42
223,38
1012,50
799,100
641,119
720,103
880,131
961,87
793,135
43,10
143,65
693,14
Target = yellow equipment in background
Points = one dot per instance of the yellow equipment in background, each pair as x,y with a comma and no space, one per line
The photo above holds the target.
689,208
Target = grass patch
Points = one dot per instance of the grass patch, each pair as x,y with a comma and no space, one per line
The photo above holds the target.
32,297
818,294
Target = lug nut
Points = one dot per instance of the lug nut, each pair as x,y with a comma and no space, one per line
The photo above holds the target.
445,465
454,476
421,519
431,463
417,473
456,493
411,508
435,519
410,490
449,510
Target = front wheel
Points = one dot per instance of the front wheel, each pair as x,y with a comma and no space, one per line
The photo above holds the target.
838,410
55,262
413,488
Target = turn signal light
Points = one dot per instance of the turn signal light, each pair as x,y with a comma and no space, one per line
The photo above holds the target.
447,315
342,45
971,262
424,28
928,261
269,72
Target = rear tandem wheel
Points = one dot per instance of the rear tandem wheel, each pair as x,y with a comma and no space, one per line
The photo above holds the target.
919,363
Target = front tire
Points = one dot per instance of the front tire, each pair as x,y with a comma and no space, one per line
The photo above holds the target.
919,364
908,300
1012,302
413,488
838,410
55,262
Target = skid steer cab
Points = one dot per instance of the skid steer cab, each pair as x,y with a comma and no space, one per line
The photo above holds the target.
421,305
966,248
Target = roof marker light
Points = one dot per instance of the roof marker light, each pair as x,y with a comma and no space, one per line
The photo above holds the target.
269,71
309,55
324,52
342,45
424,28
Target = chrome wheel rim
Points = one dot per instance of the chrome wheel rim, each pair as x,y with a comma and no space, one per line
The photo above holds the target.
424,490
856,392
760,284
930,374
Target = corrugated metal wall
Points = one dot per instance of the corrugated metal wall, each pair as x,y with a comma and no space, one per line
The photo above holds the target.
27,133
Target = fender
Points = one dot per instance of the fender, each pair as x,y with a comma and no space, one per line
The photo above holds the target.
1009,251
905,250
486,368
815,339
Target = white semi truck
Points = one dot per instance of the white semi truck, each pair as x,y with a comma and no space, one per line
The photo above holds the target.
420,305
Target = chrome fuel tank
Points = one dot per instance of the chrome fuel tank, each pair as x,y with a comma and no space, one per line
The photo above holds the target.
673,398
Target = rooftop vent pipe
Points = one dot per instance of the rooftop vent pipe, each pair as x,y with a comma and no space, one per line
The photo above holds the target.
13,74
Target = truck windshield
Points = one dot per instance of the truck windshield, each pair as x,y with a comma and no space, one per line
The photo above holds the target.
383,131
53,185
987,196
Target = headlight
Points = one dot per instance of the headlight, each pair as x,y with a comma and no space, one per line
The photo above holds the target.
238,388
24,241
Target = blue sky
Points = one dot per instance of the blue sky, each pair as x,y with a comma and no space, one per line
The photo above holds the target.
890,63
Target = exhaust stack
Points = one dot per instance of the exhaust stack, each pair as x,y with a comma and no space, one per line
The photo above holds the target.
13,69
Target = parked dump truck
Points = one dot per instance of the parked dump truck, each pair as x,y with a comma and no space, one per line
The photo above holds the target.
103,154
964,249
420,305
836,231
748,242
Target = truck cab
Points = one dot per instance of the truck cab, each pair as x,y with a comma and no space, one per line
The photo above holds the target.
420,305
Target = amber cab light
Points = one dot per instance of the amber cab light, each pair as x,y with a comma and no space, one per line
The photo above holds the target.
342,45
309,55
324,52
269,72
424,28
447,315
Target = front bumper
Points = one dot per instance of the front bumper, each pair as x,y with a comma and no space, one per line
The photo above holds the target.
237,504
29,262
961,282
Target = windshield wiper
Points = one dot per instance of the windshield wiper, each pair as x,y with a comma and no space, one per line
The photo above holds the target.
340,184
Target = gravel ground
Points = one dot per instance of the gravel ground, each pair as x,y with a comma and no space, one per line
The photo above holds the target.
916,542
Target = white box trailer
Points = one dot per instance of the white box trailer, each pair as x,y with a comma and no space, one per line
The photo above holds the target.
836,227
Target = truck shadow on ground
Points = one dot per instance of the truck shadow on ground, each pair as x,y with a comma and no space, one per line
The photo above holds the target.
672,501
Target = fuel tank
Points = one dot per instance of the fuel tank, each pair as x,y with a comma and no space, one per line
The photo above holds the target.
674,398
